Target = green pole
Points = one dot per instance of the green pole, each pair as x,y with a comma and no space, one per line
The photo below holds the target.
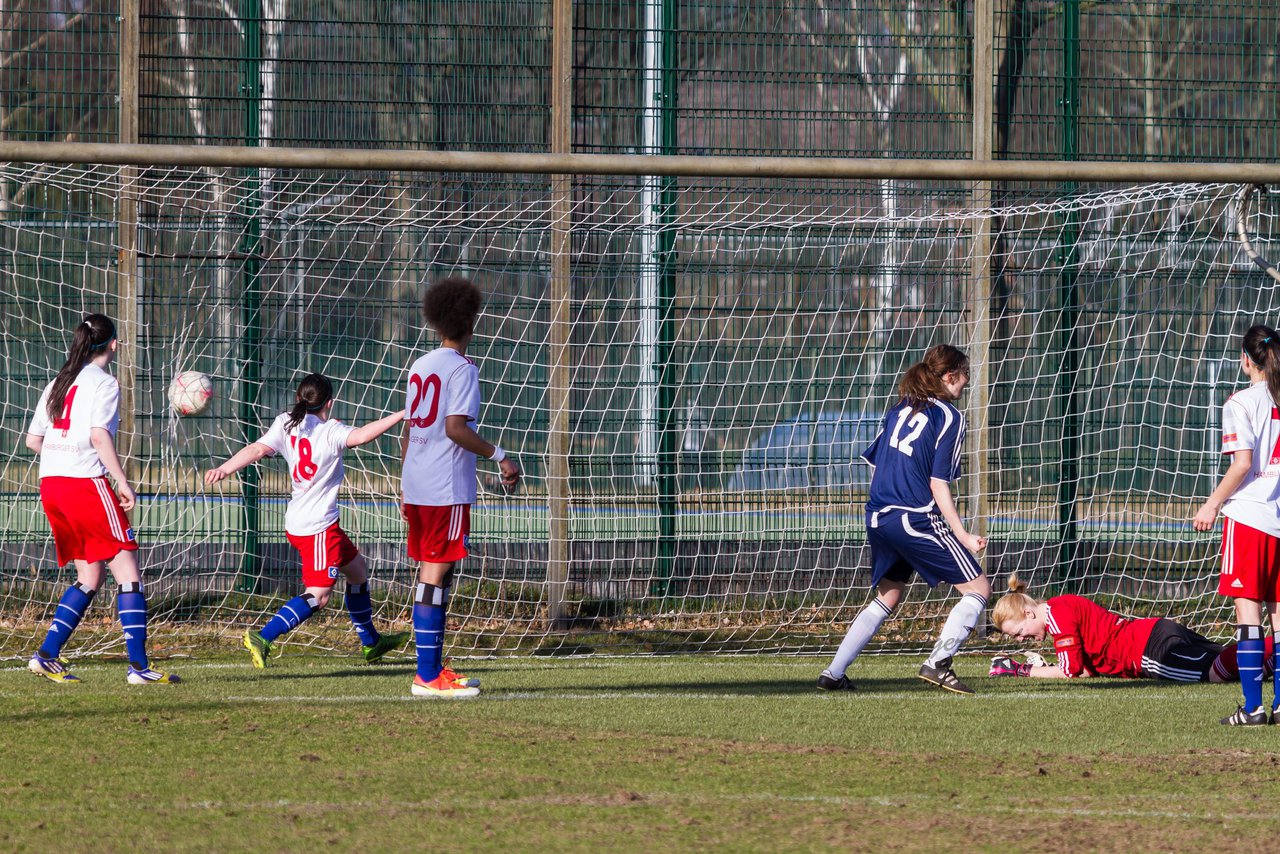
668,444
251,307
1069,312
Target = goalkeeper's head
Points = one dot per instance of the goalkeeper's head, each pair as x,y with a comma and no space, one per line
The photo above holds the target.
1018,614
451,306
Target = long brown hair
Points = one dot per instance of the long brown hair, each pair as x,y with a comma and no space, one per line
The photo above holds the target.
923,380
1262,345
92,334
314,392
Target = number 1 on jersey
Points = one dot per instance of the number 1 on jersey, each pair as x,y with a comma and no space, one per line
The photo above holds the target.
917,424
63,423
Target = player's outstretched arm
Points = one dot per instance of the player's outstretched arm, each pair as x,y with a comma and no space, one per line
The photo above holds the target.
458,429
372,430
243,458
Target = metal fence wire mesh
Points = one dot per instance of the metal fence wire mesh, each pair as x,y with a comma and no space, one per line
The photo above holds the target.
731,353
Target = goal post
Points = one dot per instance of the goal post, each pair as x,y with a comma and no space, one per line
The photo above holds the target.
797,303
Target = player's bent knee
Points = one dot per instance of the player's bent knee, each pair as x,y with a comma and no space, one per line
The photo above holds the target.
890,599
355,572
320,596
890,592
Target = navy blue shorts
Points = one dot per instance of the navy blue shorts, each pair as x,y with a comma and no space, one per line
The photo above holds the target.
903,542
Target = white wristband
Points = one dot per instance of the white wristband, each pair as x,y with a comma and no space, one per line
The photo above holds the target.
498,454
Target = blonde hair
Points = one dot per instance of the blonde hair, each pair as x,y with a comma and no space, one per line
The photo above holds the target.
1013,604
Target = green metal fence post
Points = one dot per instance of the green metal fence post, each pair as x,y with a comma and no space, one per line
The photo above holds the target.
251,307
1069,311
668,444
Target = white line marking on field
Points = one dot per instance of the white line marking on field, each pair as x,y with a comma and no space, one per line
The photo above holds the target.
319,664
650,798
676,694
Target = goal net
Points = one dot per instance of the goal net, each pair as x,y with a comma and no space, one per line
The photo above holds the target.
732,347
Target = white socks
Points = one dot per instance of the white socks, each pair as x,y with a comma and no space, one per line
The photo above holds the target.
964,616
864,627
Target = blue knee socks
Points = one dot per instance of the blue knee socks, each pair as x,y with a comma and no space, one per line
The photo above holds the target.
290,615
71,608
1250,648
132,607
429,604
360,606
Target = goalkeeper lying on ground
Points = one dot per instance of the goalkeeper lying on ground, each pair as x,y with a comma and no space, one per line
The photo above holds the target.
1092,641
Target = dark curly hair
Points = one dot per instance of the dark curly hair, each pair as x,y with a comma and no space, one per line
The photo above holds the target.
451,306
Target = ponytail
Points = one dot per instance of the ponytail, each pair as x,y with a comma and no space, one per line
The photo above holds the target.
1262,345
923,380
1013,603
93,333
314,393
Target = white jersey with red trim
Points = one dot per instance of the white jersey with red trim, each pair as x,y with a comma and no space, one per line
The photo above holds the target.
1251,421
313,450
93,400
439,472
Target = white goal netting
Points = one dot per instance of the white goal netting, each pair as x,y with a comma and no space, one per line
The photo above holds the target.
733,344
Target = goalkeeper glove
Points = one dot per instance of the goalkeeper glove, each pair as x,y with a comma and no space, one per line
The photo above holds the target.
1003,665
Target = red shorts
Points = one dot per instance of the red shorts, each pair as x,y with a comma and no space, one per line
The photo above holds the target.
1250,563
438,534
322,554
86,518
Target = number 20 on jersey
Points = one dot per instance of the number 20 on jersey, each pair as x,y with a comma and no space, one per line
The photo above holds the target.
426,392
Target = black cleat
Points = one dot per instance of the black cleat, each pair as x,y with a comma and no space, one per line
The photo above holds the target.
827,682
944,677
1258,717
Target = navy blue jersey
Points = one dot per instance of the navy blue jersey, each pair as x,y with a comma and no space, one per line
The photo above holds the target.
909,451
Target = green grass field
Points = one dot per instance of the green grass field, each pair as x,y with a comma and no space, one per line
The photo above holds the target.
634,754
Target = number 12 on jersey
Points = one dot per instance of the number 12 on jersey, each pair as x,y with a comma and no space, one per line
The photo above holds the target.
917,424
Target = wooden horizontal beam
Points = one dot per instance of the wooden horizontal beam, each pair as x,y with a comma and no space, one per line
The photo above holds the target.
629,164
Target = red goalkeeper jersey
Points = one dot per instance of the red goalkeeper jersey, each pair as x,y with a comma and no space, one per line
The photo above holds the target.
1088,637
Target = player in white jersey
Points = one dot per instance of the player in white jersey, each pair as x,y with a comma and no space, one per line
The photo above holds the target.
73,430
1249,497
312,446
440,447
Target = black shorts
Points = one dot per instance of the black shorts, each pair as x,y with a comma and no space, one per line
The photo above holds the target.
1176,653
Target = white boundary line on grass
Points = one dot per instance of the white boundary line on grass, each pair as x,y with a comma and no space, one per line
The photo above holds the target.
676,694
318,664
651,798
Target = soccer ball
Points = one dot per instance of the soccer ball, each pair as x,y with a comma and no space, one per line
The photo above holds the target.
190,393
